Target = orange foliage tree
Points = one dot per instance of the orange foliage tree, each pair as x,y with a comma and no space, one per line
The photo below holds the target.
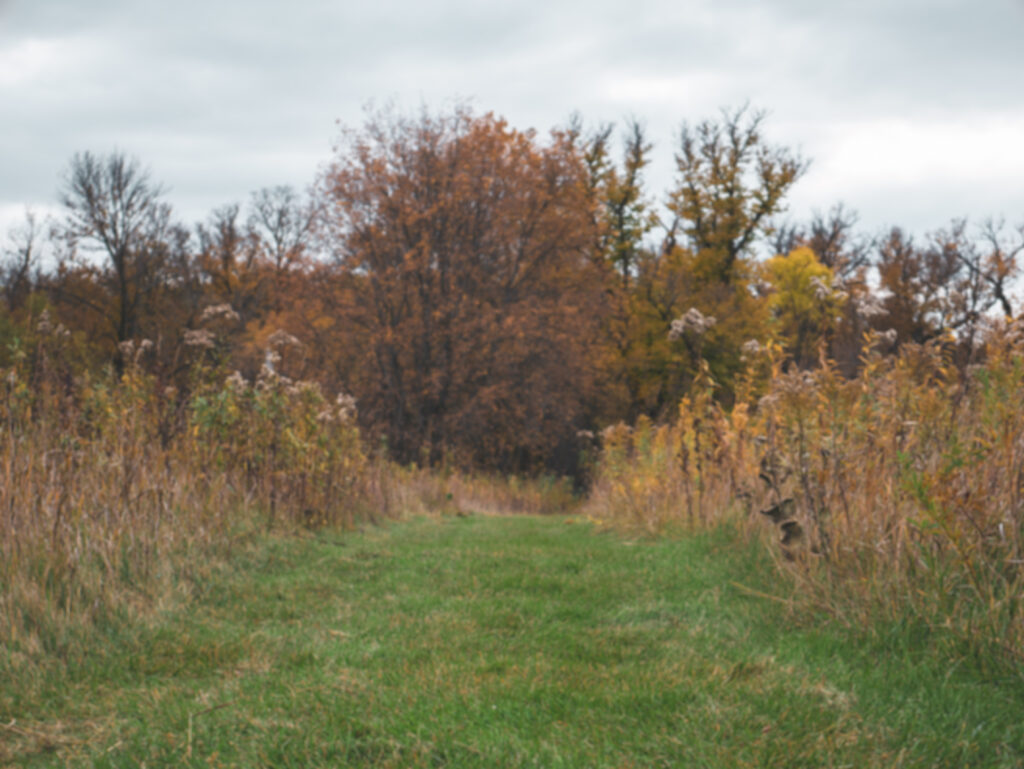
467,295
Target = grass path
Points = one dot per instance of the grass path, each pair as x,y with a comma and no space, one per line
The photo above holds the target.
500,642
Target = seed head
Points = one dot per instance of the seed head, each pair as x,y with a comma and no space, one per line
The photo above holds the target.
281,339
822,290
45,325
751,348
215,311
693,321
199,337
346,406
870,306
236,382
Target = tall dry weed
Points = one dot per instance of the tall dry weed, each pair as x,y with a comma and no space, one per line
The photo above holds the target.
428,491
113,489
905,484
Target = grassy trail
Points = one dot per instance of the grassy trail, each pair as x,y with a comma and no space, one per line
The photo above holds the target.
500,642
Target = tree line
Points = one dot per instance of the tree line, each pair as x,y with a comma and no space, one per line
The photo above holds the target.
489,294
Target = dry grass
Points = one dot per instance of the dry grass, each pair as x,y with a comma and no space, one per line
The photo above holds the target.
907,483
117,492
114,490
428,492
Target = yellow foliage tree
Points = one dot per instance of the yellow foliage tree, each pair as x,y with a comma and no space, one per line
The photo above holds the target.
805,305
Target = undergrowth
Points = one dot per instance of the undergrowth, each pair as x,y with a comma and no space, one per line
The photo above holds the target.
118,493
115,488
900,492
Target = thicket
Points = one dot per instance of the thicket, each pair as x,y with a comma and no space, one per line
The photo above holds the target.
116,490
898,492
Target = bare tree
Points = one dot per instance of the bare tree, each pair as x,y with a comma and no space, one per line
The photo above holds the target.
833,240
20,259
114,211
283,223
1001,264
227,257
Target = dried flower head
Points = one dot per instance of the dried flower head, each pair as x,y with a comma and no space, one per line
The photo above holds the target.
45,325
141,348
199,337
236,382
693,321
281,339
346,405
219,311
822,290
269,368
751,348
1010,328
870,306
612,431
343,410
303,387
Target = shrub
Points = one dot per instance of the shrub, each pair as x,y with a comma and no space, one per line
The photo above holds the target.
906,483
114,488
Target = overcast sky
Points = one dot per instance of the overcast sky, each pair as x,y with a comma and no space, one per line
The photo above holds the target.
912,111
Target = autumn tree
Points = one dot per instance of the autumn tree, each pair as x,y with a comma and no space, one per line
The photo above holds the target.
951,283
236,279
227,257
996,262
623,217
19,260
849,255
731,184
915,284
119,234
805,303
467,292
623,214
833,238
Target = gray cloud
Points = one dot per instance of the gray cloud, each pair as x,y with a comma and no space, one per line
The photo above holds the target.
220,98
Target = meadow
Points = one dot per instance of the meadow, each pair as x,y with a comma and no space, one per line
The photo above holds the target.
256,589
513,641
452,463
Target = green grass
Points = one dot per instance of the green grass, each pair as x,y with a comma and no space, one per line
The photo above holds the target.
501,642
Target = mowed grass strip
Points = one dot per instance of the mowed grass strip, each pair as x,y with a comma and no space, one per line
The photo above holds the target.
501,642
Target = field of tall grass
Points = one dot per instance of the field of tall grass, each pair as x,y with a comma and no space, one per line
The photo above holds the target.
118,492
896,494
114,489
899,493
